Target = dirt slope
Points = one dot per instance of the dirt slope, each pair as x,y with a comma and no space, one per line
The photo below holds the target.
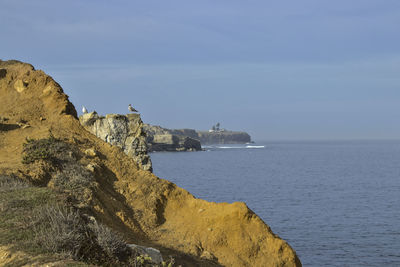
147,209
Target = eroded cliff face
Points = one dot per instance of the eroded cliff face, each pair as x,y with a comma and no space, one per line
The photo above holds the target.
203,137
124,131
147,210
161,139
223,137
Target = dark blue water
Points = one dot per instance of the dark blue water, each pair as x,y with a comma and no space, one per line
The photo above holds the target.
336,203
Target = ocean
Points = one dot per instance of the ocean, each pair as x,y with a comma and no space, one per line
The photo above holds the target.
336,203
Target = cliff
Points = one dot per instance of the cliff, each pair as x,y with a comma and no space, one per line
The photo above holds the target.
223,137
124,131
205,137
161,139
43,142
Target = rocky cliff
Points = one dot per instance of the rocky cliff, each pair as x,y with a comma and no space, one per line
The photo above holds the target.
205,137
161,139
124,131
223,137
145,209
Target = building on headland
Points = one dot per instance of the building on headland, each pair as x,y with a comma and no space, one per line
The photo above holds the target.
216,128
215,135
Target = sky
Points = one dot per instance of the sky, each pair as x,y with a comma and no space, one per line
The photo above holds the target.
280,70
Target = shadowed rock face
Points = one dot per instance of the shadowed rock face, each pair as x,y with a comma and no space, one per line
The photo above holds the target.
147,210
124,131
161,139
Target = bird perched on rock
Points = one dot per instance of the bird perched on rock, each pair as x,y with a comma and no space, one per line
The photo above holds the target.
131,108
84,110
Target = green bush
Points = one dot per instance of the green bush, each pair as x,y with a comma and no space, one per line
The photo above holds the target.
49,149
42,149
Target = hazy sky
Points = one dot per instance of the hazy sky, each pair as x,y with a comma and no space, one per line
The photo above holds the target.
310,69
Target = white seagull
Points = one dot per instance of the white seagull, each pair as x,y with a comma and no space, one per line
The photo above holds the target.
131,108
84,110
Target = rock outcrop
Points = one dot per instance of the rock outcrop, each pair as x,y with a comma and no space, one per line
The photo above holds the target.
147,210
205,137
223,137
124,131
161,139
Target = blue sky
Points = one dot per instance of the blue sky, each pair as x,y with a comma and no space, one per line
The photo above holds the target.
311,69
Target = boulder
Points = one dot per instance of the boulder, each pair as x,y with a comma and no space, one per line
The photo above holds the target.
124,131
153,253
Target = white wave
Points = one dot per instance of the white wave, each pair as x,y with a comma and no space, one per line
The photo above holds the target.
232,147
255,146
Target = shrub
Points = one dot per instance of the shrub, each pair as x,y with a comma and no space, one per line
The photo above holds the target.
66,172
42,149
49,149
73,177
62,230
111,242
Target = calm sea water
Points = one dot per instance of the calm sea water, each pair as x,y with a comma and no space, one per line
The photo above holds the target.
336,203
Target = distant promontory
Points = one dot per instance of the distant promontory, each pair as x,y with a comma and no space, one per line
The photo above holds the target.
163,139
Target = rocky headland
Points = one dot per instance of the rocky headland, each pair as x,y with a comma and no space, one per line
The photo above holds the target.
223,137
137,139
190,139
56,176
162,139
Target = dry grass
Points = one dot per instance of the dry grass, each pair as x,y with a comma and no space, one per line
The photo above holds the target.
9,183
59,228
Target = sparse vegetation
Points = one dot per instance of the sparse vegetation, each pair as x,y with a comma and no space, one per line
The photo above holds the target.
18,206
74,179
65,231
8,183
111,242
60,229
47,224
42,149
38,221
68,175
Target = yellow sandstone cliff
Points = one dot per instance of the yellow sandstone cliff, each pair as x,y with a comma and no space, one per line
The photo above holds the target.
146,209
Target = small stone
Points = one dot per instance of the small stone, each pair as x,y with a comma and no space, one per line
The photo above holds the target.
200,210
91,152
154,254
208,256
20,86
91,167
48,89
